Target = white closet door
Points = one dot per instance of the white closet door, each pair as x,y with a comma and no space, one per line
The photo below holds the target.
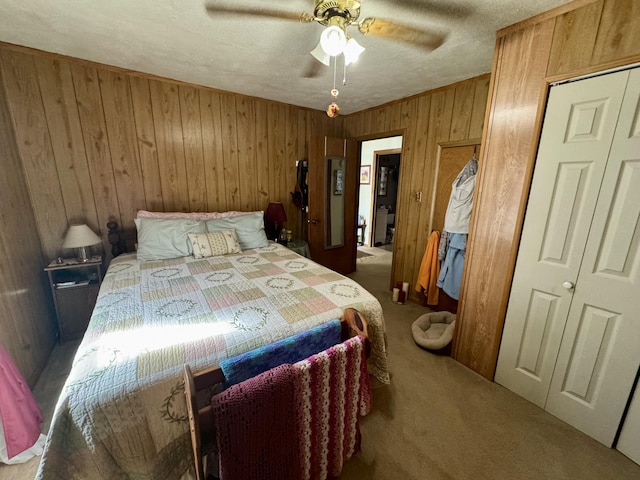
600,352
629,441
576,137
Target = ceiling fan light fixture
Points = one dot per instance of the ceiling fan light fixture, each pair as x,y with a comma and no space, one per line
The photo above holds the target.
333,40
352,51
320,55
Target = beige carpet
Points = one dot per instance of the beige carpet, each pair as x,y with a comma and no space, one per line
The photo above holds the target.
440,420
437,419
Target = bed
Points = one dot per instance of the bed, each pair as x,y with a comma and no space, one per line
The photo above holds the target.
122,413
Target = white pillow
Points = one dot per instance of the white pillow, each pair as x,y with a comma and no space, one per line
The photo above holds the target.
249,228
214,244
159,239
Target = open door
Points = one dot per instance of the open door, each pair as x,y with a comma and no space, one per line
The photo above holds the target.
333,182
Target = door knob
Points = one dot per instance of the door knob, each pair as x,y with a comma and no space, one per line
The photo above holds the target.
568,285
313,221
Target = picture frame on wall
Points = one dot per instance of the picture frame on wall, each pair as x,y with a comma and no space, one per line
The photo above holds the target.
365,175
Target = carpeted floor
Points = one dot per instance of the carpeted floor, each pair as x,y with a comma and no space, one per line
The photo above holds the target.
437,420
440,420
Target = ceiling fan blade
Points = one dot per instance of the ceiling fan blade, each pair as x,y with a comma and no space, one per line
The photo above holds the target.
216,9
401,33
441,8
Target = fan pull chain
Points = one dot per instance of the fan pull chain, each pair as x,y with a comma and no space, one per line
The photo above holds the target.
344,75
333,110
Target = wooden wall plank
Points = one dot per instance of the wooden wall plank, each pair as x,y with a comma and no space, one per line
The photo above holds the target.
34,143
146,137
210,109
479,107
574,38
123,145
291,153
262,154
170,145
27,329
96,142
193,151
618,32
247,163
500,184
462,110
59,101
232,176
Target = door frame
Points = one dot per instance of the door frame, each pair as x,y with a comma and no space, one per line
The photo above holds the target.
401,187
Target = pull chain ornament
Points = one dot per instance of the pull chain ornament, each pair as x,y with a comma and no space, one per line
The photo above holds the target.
333,110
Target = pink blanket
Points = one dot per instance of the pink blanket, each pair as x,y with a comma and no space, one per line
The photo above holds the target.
332,392
256,434
21,417
297,422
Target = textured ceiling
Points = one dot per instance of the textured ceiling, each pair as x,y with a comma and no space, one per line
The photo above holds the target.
267,57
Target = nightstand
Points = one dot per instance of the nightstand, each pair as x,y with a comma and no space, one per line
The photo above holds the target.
300,247
74,286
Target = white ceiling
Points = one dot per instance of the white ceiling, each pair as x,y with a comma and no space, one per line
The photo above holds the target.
266,57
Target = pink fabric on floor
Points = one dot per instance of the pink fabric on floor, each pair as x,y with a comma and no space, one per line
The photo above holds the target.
20,414
332,391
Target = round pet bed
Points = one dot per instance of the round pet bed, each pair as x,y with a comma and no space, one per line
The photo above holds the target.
434,331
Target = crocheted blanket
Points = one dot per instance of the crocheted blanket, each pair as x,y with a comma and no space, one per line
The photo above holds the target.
256,432
332,391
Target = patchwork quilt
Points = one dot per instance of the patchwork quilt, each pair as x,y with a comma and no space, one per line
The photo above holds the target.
122,412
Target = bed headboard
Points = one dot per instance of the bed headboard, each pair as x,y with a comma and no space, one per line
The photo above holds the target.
115,239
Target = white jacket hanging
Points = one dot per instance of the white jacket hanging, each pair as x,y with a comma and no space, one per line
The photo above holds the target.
458,214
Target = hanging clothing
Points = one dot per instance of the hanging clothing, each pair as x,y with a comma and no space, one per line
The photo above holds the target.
458,213
443,246
20,415
451,272
430,270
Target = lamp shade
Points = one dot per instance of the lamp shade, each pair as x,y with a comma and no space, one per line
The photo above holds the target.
275,213
79,236
333,40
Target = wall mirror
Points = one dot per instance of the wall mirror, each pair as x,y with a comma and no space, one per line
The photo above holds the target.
334,202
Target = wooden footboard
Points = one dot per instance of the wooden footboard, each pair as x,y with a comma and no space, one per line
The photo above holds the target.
201,421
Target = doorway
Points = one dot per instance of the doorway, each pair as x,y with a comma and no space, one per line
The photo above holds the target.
371,153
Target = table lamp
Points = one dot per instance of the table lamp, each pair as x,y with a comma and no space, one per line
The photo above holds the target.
274,216
81,237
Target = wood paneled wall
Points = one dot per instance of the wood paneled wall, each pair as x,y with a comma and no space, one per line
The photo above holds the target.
91,143
582,37
98,144
26,328
443,116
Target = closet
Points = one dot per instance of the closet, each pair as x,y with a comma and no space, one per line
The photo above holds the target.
571,340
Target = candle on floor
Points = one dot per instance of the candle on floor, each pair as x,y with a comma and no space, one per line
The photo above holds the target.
396,291
405,288
401,297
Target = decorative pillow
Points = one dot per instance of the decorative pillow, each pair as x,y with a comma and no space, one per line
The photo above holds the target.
192,215
214,244
248,227
162,238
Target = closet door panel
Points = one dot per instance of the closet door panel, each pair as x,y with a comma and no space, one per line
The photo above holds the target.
599,355
576,137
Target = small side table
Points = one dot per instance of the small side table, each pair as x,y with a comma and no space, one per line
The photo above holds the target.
360,229
74,287
300,247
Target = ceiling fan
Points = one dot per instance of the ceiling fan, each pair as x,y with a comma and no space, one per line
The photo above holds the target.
337,16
